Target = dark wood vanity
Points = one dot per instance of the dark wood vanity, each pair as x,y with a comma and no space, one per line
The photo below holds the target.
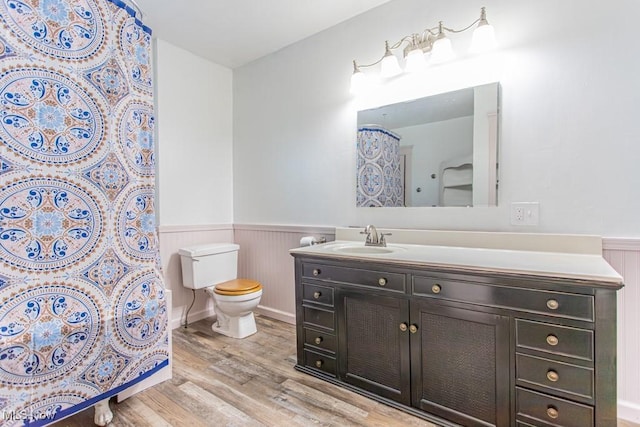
458,346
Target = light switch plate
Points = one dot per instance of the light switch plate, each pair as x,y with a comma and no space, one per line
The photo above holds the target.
525,213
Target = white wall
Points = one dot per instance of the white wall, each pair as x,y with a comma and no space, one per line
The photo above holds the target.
195,176
569,132
194,120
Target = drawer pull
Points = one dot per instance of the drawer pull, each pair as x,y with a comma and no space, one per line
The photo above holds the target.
552,376
552,412
316,271
318,340
552,339
413,329
436,289
552,304
317,294
403,327
319,363
382,281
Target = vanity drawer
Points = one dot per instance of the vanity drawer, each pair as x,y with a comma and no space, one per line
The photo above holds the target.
555,376
317,294
554,339
321,340
532,406
378,279
320,361
558,304
319,318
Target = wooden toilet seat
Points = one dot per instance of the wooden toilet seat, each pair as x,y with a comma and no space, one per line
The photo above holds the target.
238,287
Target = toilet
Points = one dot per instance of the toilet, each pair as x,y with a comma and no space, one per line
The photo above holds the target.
214,268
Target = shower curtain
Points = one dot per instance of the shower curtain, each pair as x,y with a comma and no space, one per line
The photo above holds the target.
82,305
379,180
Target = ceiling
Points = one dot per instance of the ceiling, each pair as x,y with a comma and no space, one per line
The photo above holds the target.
235,32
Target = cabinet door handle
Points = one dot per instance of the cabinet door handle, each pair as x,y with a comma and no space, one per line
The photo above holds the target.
553,304
316,271
552,412
552,339
318,340
403,327
382,281
317,294
413,329
436,289
319,363
552,375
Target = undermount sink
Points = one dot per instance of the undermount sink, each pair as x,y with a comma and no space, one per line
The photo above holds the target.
361,249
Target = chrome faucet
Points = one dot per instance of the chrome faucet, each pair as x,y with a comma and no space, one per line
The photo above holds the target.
373,237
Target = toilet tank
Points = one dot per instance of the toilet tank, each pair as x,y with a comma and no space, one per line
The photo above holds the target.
209,264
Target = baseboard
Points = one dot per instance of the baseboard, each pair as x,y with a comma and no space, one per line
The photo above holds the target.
629,411
276,314
264,311
194,316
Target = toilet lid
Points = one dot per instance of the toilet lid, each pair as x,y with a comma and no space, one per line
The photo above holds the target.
238,287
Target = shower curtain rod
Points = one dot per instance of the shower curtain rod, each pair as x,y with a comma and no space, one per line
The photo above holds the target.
136,6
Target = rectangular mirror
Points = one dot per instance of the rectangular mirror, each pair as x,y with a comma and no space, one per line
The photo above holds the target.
439,150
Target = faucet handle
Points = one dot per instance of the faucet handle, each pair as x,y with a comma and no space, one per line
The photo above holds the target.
382,239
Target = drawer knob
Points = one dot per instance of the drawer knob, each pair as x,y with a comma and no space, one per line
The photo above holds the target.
552,375
413,329
317,294
382,281
552,304
552,339
436,289
552,412
403,327
316,271
318,340
319,363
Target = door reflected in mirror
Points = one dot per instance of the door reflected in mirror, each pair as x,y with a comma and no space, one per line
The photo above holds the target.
439,150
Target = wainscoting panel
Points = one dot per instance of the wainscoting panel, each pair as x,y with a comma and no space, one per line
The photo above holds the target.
624,256
264,256
173,238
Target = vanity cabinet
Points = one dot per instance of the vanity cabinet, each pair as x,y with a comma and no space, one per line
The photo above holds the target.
374,343
460,363
471,348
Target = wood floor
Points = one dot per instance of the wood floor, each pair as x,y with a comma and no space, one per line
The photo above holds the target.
220,381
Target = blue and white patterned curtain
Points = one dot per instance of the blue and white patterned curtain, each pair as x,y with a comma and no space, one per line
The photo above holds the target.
379,177
82,307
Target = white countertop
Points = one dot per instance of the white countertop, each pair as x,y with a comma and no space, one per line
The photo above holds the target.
579,266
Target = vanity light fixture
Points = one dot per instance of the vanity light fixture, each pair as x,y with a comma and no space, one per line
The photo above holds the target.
432,41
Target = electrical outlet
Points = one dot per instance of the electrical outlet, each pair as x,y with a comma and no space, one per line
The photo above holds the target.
525,213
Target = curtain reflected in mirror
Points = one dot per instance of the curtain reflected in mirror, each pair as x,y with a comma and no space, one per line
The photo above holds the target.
439,150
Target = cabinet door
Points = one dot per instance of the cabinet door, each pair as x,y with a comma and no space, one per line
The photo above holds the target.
460,364
374,344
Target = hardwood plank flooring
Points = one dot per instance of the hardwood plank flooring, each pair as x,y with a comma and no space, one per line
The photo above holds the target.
220,381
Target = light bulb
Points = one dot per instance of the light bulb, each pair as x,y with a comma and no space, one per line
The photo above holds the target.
416,61
358,82
484,39
389,66
442,50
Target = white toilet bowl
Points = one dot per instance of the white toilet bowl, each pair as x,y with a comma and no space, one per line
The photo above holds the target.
234,302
